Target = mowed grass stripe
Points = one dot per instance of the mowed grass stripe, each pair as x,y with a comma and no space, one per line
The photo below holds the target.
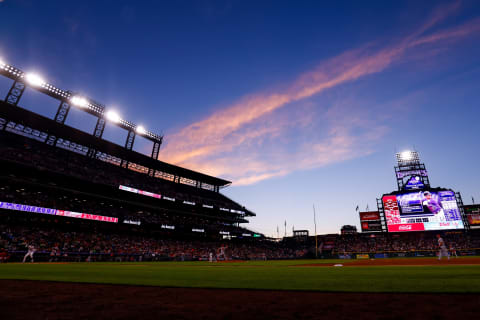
281,275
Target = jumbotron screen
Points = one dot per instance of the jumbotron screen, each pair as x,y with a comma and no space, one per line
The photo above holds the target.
422,210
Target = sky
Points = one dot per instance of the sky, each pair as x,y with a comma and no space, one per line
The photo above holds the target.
298,103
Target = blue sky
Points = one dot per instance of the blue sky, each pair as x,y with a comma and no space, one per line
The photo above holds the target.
297,103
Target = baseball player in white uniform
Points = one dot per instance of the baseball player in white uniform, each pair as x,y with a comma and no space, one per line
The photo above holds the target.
442,248
31,251
221,253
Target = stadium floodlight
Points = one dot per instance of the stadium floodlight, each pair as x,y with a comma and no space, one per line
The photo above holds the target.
34,79
79,101
406,155
140,130
112,116
2,64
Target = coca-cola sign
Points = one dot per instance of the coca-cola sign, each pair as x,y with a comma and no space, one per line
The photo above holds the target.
406,227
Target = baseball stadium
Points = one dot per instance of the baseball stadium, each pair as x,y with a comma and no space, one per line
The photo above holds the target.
218,122
94,229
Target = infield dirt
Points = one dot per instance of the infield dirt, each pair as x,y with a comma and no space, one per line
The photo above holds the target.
464,261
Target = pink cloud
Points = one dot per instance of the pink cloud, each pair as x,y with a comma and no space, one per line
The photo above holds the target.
251,139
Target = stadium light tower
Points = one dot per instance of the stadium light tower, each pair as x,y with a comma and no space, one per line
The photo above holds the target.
79,101
140,130
409,167
67,99
112,116
34,79
407,157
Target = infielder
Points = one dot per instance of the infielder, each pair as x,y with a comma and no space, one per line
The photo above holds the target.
31,251
453,251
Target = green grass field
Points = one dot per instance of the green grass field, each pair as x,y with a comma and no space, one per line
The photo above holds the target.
275,275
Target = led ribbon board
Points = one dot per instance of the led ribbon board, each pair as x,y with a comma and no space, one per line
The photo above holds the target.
42,210
155,195
142,192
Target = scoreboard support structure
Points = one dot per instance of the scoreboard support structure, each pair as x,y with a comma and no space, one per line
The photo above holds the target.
382,214
408,166
415,205
462,211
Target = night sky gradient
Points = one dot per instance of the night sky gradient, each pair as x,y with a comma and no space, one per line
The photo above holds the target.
297,102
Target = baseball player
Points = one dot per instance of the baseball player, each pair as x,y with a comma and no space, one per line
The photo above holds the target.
453,251
442,248
222,253
433,206
31,251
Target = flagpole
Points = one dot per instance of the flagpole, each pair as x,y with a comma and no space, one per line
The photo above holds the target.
315,223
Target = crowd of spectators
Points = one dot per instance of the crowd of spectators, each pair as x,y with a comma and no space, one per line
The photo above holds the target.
406,242
56,245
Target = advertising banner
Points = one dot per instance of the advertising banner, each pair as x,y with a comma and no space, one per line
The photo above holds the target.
369,215
474,219
371,226
98,218
86,216
472,212
472,208
406,227
392,213
363,256
69,214
149,194
129,189
142,192
26,208
42,210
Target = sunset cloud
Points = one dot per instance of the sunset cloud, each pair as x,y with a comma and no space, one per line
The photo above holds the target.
272,133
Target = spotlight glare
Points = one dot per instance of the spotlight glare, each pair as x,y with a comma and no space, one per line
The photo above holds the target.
79,101
406,155
112,116
34,79
140,130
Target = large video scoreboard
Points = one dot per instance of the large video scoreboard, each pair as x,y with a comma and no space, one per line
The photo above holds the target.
422,210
